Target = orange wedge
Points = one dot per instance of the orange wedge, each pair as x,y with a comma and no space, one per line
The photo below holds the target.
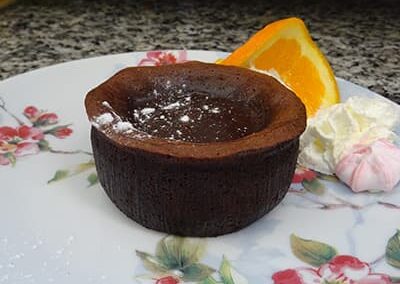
285,48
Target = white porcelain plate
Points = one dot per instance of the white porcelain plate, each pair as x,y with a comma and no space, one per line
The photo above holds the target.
58,226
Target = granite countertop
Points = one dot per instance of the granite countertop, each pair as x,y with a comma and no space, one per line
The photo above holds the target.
361,39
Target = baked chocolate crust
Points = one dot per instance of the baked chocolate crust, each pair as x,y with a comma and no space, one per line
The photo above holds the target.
197,189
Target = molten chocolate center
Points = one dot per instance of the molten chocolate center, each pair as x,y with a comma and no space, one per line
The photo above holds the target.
196,116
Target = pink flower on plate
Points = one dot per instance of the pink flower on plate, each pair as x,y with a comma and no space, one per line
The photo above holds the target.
62,132
297,276
26,148
158,58
26,132
5,150
374,167
167,280
4,161
46,119
7,133
29,139
342,269
9,152
23,132
40,118
18,142
31,112
302,174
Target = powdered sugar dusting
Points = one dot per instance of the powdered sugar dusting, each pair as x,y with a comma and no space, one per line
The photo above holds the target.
104,119
123,126
147,110
215,110
106,104
184,118
118,125
171,106
177,113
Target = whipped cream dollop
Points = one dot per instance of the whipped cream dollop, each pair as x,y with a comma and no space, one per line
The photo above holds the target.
373,167
332,131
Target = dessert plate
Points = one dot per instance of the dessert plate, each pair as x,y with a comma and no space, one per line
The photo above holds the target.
58,226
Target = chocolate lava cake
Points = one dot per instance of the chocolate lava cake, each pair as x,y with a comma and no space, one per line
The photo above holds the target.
194,149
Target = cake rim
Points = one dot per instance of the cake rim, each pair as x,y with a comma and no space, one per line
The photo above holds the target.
288,127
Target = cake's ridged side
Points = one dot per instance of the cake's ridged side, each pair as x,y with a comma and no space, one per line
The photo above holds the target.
192,197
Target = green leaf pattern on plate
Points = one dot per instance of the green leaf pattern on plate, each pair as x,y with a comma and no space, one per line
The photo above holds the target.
178,252
59,175
92,179
314,186
196,272
152,263
178,256
210,280
311,252
393,250
80,168
230,275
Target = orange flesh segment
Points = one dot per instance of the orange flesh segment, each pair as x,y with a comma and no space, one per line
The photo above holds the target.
286,47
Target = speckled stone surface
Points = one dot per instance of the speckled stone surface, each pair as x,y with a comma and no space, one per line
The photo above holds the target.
360,38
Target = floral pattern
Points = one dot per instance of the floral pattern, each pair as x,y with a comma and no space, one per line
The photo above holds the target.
302,174
167,280
29,137
329,266
342,269
158,58
178,260
312,186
